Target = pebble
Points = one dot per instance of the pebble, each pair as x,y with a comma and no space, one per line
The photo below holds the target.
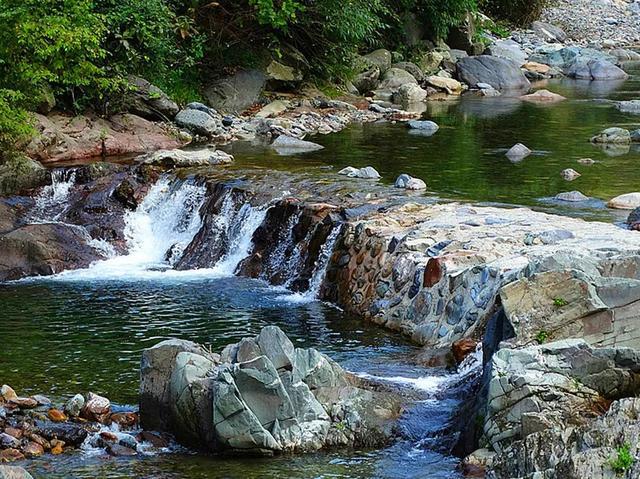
7,392
33,449
56,415
74,406
97,408
570,174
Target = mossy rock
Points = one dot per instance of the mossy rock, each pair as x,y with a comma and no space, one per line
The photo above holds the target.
19,172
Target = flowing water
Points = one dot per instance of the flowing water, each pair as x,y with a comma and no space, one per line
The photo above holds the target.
85,330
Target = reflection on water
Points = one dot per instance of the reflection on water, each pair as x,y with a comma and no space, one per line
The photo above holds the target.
465,158
61,337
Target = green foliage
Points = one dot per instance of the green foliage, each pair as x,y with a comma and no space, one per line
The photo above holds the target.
518,12
623,460
278,15
14,121
51,42
542,337
560,302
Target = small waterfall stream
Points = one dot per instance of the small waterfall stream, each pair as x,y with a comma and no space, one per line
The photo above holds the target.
51,201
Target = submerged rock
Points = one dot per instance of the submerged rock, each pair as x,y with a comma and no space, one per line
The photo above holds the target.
14,472
543,96
262,395
366,173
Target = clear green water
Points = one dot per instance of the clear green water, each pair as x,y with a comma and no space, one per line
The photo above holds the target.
466,158
60,338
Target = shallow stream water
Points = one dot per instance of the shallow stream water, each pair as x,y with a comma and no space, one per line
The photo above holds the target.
85,330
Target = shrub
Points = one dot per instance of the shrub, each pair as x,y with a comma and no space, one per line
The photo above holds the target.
14,121
623,460
518,12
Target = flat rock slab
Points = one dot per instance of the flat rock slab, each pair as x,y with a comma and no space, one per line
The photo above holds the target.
288,145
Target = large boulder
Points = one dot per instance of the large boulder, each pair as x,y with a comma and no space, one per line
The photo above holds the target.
613,135
628,201
187,158
394,78
44,249
70,138
200,120
381,59
409,93
500,73
367,80
235,93
149,101
509,49
14,472
19,172
545,405
548,32
586,69
260,396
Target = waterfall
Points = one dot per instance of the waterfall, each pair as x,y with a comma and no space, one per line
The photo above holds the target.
240,233
51,201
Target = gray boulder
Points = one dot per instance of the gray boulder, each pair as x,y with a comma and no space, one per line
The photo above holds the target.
381,59
631,106
394,78
509,49
500,73
288,145
612,135
410,183
367,80
412,68
409,93
423,125
200,122
586,69
366,173
237,92
148,101
571,196
548,32
187,158
518,152
261,396
14,472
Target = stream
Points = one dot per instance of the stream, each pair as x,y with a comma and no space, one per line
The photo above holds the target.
84,330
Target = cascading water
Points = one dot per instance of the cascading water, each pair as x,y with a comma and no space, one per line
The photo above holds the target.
240,234
156,232
51,201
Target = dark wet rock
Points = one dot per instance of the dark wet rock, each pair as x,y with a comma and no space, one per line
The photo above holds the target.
235,93
634,219
155,439
119,450
266,396
7,441
19,173
148,101
68,432
44,249
500,73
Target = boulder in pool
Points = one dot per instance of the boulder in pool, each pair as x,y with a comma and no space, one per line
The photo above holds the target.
14,472
366,173
500,73
518,152
628,201
569,174
183,158
543,96
612,135
261,395
288,145
571,196
410,183
588,69
423,125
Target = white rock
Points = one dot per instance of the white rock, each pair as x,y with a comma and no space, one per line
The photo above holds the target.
570,174
572,196
518,152
274,108
628,201
288,145
366,173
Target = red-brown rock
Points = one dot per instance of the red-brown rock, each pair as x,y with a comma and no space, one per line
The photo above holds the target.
462,348
10,455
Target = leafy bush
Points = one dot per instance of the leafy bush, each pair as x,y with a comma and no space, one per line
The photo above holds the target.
51,43
623,460
518,12
14,121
